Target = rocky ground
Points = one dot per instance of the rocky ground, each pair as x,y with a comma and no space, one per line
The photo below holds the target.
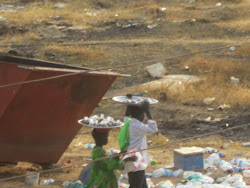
107,34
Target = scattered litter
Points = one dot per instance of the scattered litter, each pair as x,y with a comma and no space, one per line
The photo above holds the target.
208,119
150,184
47,182
234,80
208,101
161,172
224,106
126,26
59,5
192,1
246,144
194,20
116,15
232,48
186,68
165,184
91,14
89,146
210,109
151,26
218,5
246,173
163,9
177,173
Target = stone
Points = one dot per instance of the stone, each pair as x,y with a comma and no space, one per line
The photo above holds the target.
51,32
156,70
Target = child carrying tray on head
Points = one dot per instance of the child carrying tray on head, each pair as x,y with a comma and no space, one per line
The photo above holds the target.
133,136
102,171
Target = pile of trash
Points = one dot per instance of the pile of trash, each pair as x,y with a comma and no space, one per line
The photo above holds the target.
235,171
101,122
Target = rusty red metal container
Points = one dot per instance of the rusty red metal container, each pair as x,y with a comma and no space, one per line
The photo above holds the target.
39,120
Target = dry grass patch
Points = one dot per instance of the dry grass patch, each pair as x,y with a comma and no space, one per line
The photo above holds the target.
241,25
217,82
243,50
19,37
79,52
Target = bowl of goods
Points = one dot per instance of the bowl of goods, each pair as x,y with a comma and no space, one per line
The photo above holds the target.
134,100
100,121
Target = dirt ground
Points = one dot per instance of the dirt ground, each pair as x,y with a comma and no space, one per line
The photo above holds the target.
121,36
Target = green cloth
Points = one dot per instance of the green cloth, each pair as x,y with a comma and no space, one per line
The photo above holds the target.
102,172
124,136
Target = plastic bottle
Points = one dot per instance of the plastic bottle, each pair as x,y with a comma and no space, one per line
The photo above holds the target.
177,173
243,163
148,175
161,172
225,166
113,151
89,146
246,173
47,182
186,174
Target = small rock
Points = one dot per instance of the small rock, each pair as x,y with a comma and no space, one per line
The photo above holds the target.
208,101
50,32
234,80
151,26
156,70
232,48
224,106
218,5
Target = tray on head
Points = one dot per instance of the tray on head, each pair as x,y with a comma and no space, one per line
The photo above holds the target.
98,126
134,100
101,122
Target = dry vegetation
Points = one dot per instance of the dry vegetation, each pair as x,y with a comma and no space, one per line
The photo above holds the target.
79,52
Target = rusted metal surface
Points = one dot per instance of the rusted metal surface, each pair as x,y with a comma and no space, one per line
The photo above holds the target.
39,120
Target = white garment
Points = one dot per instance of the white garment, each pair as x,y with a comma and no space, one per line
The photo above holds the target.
138,132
